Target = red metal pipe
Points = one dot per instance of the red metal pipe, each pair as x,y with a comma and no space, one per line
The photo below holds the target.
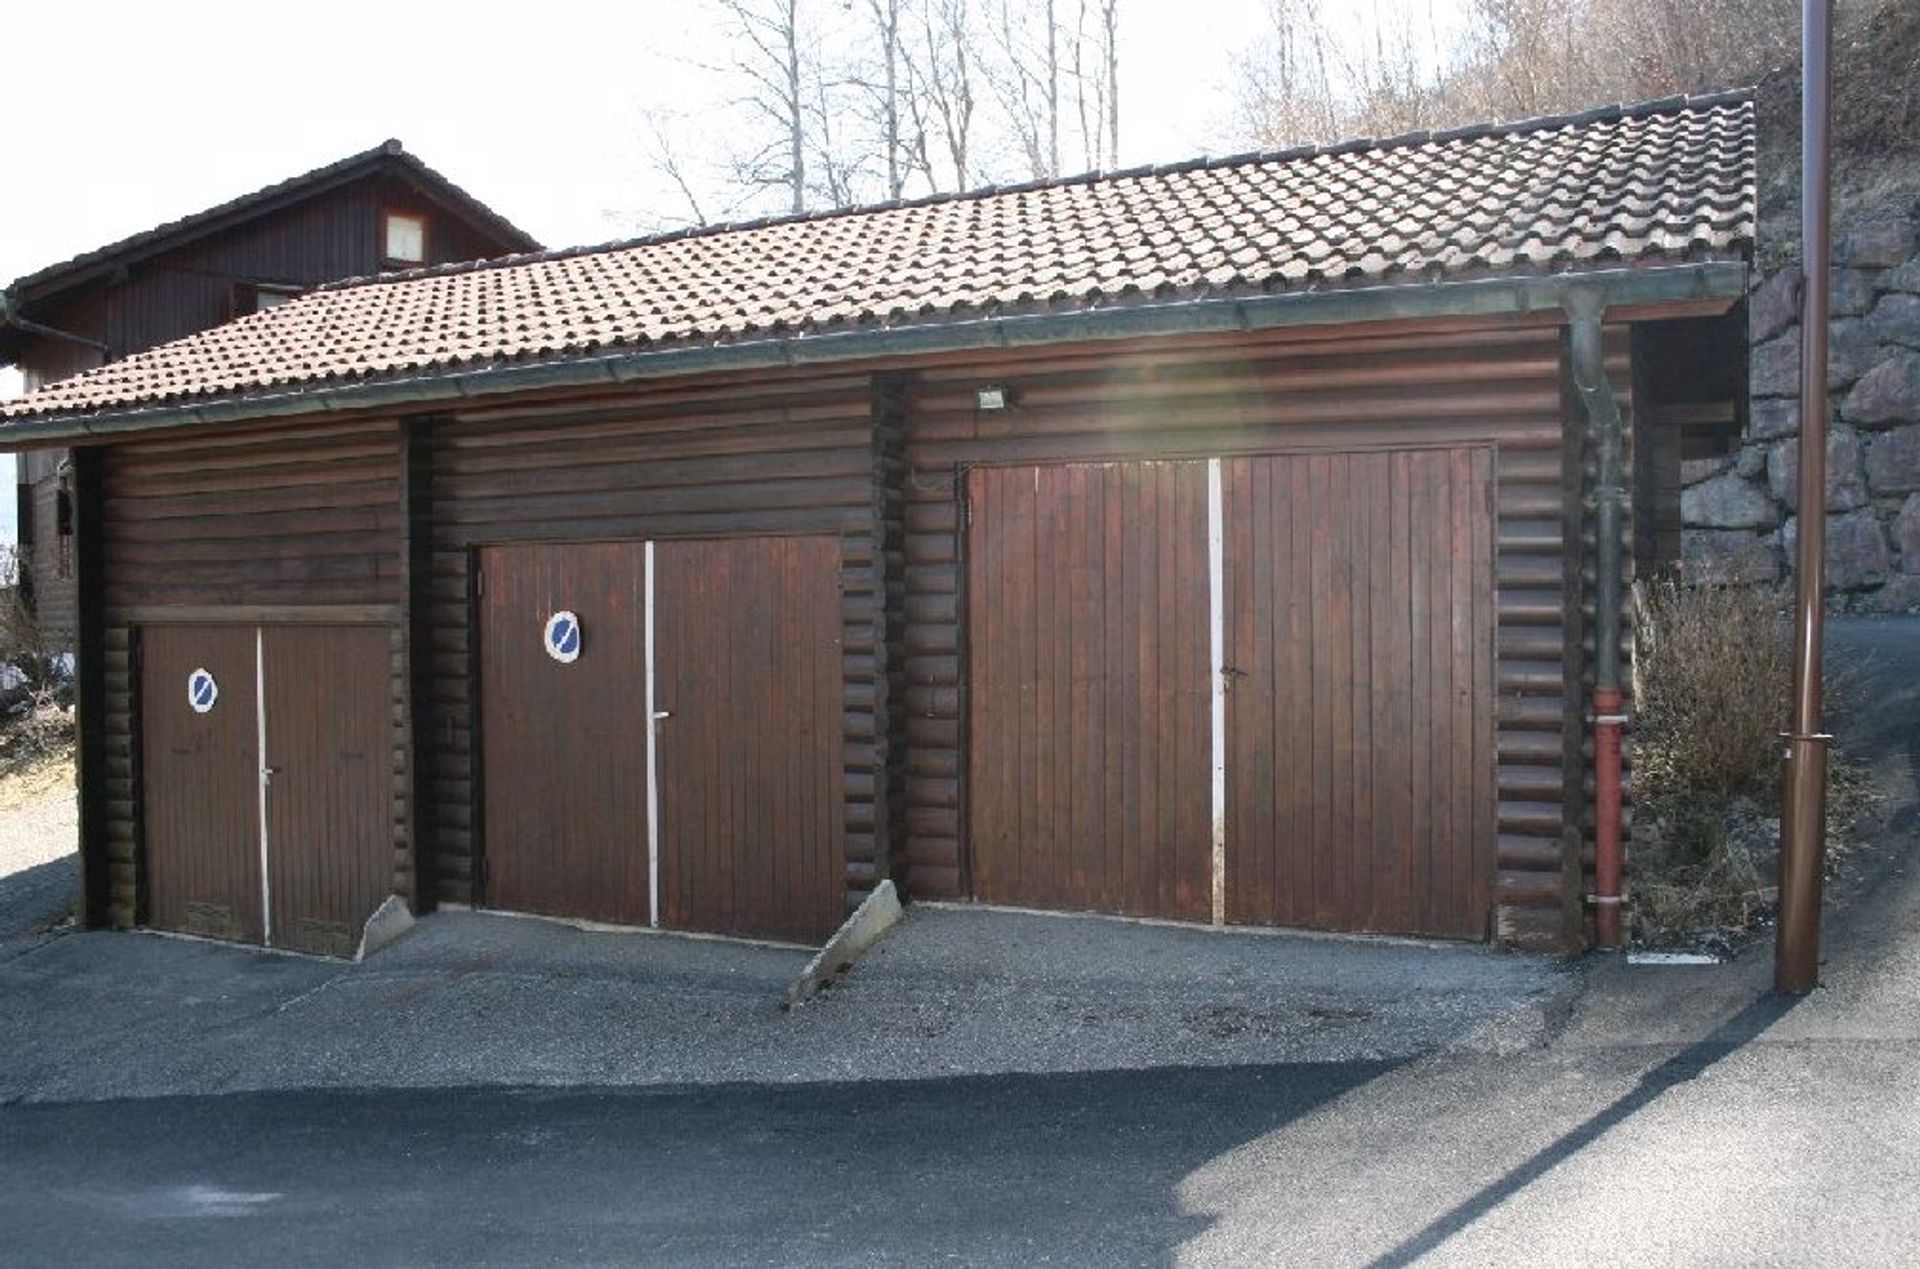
1609,863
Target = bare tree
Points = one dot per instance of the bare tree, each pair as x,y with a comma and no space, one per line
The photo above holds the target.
884,92
1389,68
1024,75
767,40
840,167
1286,89
666,159
1110,32
941,95
833,105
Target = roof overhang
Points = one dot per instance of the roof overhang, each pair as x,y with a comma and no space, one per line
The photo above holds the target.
1716,284
387,159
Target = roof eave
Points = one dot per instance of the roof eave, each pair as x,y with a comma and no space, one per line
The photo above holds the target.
58,279
1676,284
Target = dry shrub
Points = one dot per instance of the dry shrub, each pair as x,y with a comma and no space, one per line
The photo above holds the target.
1713,674
36,691
1713,682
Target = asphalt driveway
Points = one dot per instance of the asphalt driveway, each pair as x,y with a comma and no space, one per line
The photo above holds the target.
470,999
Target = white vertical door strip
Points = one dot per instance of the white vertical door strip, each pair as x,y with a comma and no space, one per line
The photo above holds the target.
266,778
1216,599
653,762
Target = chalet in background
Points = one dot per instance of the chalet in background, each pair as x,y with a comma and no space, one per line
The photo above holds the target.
376,211
1222,541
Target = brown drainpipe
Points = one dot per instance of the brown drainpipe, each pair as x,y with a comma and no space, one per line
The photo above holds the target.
1803,817
1586,307
10,316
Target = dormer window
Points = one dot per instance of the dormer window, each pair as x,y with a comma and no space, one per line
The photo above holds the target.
404,240
258,297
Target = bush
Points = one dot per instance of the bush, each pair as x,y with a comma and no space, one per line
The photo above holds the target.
1713,683
36,682
1713,675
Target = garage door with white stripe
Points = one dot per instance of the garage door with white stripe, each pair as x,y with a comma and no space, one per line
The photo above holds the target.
1253,689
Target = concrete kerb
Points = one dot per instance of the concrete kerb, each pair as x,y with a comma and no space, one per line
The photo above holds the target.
862,930
389,921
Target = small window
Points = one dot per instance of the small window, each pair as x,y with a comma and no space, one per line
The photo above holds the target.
406,239
258,297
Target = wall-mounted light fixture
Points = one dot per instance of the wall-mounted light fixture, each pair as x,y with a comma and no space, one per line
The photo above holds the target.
994,398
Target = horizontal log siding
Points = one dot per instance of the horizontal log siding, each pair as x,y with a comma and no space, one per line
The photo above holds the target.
306,516
786,455
1271,395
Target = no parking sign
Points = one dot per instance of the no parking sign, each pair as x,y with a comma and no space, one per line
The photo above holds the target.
202,691
563,637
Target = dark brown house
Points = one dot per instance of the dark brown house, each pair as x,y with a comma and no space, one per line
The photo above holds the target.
378,210
1221,542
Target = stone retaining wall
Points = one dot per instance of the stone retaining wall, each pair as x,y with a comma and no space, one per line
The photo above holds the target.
1737,511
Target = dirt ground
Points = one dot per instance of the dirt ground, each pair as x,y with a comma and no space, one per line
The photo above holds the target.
38,816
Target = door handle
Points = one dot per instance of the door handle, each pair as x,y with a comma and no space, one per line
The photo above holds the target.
661,714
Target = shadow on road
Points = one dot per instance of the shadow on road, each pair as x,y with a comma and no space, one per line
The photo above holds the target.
1687,1064
1005,1169
37,897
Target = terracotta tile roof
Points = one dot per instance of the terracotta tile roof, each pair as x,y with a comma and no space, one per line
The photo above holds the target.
1662,182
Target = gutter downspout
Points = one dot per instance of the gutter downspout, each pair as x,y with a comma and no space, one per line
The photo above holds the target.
10,316
1586,309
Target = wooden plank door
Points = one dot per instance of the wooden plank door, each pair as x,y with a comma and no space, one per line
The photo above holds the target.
1359,636
750,762
563,744
200,782
1090,708
329,754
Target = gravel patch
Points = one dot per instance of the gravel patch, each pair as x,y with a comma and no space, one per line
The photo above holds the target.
39,871
470,999
38,831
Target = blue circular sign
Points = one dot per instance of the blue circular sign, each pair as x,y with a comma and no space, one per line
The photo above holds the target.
202,691
563,637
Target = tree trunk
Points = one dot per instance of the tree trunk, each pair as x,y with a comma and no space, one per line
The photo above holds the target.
796,131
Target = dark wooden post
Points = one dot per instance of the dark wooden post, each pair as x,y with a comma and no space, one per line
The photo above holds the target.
89,689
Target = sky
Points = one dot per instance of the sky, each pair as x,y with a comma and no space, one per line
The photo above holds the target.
145,112
139,113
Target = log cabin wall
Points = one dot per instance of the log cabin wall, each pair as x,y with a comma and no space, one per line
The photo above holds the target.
295,524
793,454
1293,393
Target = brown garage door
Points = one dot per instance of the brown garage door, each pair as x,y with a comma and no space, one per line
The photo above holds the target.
1359,628
1090,698
327,815
564,743
1349,783
201,781
748,672
746,831
330,791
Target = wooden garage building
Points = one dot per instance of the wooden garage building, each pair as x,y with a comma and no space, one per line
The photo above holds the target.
1215,542
380,209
